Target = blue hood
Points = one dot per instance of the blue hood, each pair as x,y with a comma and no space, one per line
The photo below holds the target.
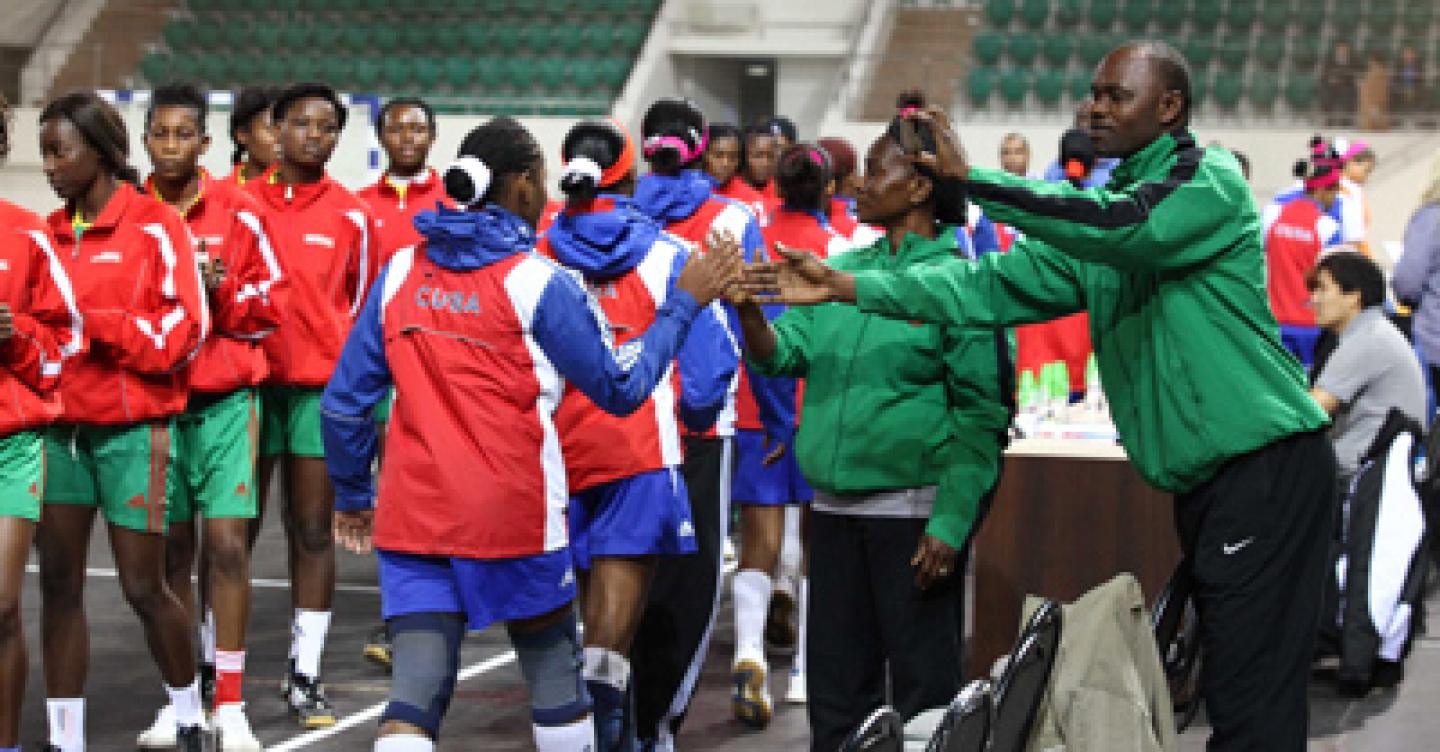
671,198
461,240
602,244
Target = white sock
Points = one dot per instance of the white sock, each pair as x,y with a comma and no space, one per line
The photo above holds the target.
188,709
787,572
310,629
803,619
578,736
207,637
750,591
608,666
67,723
404,743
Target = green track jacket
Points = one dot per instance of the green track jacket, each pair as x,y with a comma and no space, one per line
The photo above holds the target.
1168,260
897,404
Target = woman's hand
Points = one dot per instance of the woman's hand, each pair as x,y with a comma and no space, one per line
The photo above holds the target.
934,560
949,160
352,530
799,278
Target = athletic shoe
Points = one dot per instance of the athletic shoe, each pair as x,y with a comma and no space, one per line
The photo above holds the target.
161,734
233,728
780,632
377,648
207,685
729,560
194,739
308,704
795,694
750,693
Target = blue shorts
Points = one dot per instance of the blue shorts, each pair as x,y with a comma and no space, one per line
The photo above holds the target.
485,590
1300,340
641,515
767,485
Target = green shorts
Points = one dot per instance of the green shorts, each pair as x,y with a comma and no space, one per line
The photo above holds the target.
123,470
291,421
22,475
381,413
216,440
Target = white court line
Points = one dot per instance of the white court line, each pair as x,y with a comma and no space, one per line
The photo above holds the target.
261,582
374,711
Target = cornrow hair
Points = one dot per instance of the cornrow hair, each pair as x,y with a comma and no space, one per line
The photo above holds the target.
250,102
673,130
600,142
100,124
179,94
802,175
506,149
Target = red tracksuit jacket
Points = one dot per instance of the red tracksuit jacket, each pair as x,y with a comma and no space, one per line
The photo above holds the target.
1294,237
395,211
325,238
225,223
47,324
138,287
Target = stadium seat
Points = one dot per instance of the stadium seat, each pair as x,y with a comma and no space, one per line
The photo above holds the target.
208,37
1418,15
1102,14
1049,86
179,35
1275,16
449,39
1057,49
1305,52
597,37
584,75
295,37
274,69
267,35
1300,91
1023,48
1263,90
531,36
999,12
1269,52
415,37
1226,90
1077,82
1014,85
631,36
1381,18
1136,14
1034,13
1199,90
385,37
551,73
1206,15
354,37
1093,48
614,71
459,72
427,72
988,47
327,37
1069,13
1171,15
398,73
338,71
1232,53
1198,52
1240,15
155,67
366,74
980,85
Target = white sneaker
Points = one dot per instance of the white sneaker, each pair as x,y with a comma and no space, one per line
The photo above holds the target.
750,693
233,729
161,734
795,694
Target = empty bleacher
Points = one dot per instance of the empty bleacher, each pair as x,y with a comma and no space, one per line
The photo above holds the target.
525,57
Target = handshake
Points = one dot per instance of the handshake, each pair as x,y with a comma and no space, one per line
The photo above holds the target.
797,278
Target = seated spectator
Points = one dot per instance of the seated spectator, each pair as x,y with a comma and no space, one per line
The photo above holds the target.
1339,76
1372,369
1407,82
1417,275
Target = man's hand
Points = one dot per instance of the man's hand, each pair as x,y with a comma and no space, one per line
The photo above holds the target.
949,160
352,530
213,274
707,276
934,560
774,455
7,322
799,278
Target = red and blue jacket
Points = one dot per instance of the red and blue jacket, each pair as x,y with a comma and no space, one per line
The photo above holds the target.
394,205
1296,229
479,335
685,205
630,267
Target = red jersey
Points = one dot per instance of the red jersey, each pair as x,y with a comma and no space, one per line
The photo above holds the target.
138,286
324,237
394,205
47,324
225,223
1295,232
737,189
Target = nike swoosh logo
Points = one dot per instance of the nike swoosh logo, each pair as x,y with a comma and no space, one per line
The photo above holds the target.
1233,548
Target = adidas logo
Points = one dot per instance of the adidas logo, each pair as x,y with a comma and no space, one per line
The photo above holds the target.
687,530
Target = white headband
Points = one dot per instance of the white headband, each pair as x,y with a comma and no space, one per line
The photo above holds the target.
479,174
582,167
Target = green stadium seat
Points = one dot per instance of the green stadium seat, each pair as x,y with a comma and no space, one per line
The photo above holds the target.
155,67
631,36
267,36
1263,90
296,37
415,37
531,36
1069,13
1094,48
1136,14
398,72
1057,49
209,37
1077,83
1226,90
477,39
1171,15
1206,15
179,35
1023,48
449,39
1269,53
366,74
1049,86
598,38
1014,85
201,6
988,47
980,85
999,12
306,68
355,38
1102,14
1300,91
1305,52
553,72
274,69
1199,90
1418,14
459,72
1241,15
1275,15
560,8
584,75
1381,18
1198,52
522,73
614,71
427,72
528,9
329,38
1232,53
385,38
1034,13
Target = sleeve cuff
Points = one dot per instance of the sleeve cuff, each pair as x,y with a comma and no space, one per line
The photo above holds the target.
949,527
354,502
683,304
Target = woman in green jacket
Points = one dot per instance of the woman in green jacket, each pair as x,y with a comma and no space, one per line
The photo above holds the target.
904,426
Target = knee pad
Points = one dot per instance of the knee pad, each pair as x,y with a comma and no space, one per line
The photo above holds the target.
550,661
426,650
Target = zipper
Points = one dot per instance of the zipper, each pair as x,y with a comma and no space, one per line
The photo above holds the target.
418,329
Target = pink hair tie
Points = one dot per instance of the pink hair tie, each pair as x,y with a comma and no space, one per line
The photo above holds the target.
816,157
